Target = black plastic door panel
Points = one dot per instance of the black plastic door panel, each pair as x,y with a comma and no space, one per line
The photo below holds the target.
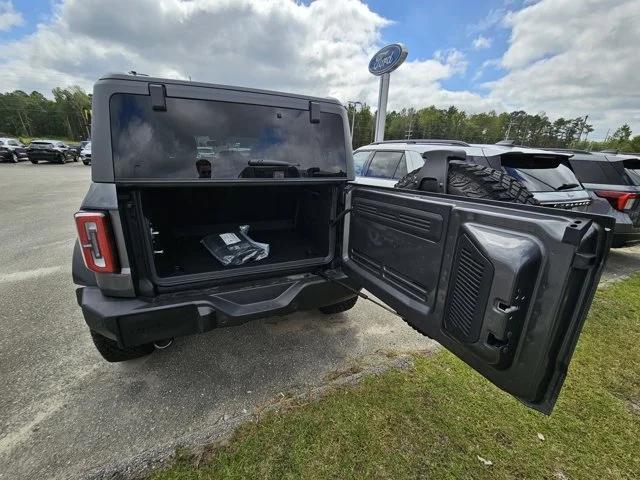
505,287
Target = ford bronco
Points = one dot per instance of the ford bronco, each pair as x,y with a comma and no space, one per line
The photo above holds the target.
504,286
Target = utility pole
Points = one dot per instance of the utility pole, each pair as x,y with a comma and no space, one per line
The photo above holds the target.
409,131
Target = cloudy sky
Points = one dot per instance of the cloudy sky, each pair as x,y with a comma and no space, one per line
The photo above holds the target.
563,57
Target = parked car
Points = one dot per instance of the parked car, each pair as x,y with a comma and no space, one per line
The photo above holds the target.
12,150
85,154
78,147
546,175
53,151
614,182
165,251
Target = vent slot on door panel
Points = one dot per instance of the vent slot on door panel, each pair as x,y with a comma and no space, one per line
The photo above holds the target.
469,291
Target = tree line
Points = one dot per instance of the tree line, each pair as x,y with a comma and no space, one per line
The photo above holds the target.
488,127
68,115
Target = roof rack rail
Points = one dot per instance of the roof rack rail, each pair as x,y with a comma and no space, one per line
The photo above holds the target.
610,150
425,141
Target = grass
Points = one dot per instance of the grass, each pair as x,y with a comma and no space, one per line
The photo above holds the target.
435,420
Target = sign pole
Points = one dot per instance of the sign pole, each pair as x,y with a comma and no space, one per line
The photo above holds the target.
382,64
381,116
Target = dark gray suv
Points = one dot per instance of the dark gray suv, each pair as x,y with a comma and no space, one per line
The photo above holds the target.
614,183
505,287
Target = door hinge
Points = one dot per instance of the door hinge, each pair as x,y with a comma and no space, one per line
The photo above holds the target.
158,97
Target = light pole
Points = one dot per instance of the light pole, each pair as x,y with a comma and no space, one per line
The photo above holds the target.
353,103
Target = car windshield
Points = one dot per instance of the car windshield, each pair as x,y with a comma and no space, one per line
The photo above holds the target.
359,159
250,140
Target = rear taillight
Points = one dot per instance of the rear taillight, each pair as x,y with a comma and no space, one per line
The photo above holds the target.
619,200
96,242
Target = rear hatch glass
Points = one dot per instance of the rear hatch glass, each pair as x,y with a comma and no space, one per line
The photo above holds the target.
540,172
203,139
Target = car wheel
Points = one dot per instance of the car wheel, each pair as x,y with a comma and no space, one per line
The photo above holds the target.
476,181
339,307
62,159
35,162
111,352
14,157
86,163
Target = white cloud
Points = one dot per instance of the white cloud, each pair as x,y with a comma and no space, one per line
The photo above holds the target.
9,17
322,48
481,42
564,57
574,58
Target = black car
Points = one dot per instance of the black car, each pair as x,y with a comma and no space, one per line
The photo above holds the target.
172,244
12,150
54,151
613,181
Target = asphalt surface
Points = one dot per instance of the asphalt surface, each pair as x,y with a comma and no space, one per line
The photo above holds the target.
65,413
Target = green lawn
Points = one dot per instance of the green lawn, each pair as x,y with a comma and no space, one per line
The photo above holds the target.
435,420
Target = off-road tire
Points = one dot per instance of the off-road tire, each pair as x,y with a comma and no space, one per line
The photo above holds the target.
339,307
476,181
111,352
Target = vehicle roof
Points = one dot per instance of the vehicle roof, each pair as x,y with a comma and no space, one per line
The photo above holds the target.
422,146
44,140
9,138
146,79
602,156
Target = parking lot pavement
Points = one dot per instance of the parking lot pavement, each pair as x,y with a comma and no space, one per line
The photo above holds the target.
64,411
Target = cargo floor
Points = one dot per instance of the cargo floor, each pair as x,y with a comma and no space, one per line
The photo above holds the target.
186,255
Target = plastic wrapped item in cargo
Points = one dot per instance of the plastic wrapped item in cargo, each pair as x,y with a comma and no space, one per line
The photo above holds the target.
235,248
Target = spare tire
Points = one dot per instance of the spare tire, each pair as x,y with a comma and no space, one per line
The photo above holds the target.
476,181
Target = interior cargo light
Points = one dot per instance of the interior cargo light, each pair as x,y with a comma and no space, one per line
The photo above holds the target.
619,200
96,242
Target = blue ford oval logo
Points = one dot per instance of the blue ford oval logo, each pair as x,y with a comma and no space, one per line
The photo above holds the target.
388,59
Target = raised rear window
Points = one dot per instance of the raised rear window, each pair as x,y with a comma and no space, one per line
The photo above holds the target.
241,141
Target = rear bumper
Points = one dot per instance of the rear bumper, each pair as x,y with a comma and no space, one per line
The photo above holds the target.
625,234
137,321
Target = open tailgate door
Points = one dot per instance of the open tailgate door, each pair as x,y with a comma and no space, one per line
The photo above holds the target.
504,287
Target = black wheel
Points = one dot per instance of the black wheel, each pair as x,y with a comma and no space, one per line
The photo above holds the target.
476,181
86,163
14,157
339,307
111,352
62,159
35,162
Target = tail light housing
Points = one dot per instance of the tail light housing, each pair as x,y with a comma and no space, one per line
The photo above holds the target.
621,201
96,242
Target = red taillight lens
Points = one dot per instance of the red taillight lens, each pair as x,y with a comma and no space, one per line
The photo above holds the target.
619,200
96,242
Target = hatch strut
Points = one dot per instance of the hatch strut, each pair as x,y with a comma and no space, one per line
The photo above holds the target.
359,293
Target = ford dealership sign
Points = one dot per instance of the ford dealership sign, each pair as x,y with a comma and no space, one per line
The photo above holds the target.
388,59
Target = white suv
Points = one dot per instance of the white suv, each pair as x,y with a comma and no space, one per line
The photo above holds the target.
547,175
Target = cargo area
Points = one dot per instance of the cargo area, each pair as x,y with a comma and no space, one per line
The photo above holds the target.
293,220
